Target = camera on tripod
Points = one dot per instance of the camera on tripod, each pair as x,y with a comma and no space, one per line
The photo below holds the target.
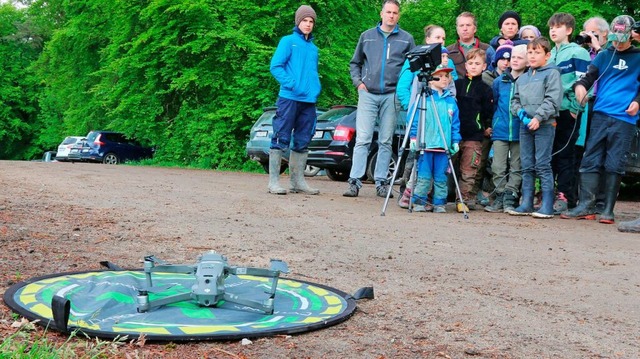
584,39
425,58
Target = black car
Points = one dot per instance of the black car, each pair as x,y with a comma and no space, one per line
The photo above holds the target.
110,148
335,138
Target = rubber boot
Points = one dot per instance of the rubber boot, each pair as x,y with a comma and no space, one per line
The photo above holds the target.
588,189
497,206
630,226
526,206
297,164
275,161
546,208
611,187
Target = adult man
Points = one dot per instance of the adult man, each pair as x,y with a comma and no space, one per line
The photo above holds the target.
597,29
375,68
295,66
466,27
617,70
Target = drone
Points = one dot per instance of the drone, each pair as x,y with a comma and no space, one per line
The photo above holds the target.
209,289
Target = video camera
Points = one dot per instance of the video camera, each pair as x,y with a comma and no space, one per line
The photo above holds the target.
584,39
425,58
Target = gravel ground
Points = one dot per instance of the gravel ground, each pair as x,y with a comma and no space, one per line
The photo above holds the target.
491,286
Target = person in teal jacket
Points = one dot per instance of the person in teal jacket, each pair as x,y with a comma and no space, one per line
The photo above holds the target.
295,66
430,144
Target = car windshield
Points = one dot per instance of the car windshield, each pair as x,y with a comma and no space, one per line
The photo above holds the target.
335,114
70,140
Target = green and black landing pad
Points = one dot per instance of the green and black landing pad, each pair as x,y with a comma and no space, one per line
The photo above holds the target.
102,304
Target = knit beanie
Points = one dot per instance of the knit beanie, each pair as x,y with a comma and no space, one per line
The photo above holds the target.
509,14
304,11
503,51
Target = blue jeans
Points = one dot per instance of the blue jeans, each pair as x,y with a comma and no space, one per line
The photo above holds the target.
432,166
608,145
372,107
297,117
535,153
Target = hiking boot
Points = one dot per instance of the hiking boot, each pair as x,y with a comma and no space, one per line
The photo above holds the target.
381,191
509,201
354,188
561,204
482,200
439,208
497,205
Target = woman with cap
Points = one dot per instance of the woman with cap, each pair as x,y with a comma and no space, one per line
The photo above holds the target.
295,66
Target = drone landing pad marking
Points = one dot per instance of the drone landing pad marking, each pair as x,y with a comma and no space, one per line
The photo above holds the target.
103,305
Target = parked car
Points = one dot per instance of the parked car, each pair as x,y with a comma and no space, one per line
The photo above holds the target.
632,170
110,148
65,147
260,139
335,138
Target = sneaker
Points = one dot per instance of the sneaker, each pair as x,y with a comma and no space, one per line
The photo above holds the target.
482,200
353,189
561,204
381,191
404,200
419,208
439,209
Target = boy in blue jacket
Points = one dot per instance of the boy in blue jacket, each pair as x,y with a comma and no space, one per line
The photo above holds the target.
295,66
433,160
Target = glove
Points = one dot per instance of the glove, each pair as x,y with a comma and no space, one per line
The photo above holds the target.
522,115
413,144
454,149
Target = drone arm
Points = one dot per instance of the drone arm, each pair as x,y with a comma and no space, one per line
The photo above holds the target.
145,305
265,306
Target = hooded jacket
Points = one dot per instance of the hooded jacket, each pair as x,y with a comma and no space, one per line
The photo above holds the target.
295,66
377,59
572,60
539,93
447,112
506,127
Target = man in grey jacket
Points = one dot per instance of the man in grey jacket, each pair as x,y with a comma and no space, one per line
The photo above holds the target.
375,68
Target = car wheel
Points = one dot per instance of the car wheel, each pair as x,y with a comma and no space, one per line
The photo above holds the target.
311,171
110,159
335,175
371,167
265,167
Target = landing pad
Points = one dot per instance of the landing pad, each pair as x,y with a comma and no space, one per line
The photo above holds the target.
102,304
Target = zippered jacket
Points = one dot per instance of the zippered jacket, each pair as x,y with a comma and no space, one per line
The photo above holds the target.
572,60
475,102
539,93
618,76
506,127
377,59
295,66
447,110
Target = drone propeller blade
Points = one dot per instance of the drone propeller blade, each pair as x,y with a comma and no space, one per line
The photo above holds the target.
158,289
279,265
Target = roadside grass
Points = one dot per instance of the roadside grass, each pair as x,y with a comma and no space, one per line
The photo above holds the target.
26,343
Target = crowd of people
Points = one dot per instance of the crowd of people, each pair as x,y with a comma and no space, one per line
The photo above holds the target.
552,113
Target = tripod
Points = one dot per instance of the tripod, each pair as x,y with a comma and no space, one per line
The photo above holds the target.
421,104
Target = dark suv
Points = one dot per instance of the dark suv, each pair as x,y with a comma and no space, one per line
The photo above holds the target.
110,148
332,147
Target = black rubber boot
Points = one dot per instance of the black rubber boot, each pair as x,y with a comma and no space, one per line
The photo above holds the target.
611,187
588,189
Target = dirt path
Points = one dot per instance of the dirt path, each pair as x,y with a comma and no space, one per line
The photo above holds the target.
489,286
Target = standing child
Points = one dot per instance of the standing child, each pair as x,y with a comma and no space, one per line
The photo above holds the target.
433,160
572,61
475,101
536,101
506,136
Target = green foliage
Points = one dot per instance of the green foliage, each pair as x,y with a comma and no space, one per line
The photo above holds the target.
191,77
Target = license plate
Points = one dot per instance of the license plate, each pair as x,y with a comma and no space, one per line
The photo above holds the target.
318,134
262,133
